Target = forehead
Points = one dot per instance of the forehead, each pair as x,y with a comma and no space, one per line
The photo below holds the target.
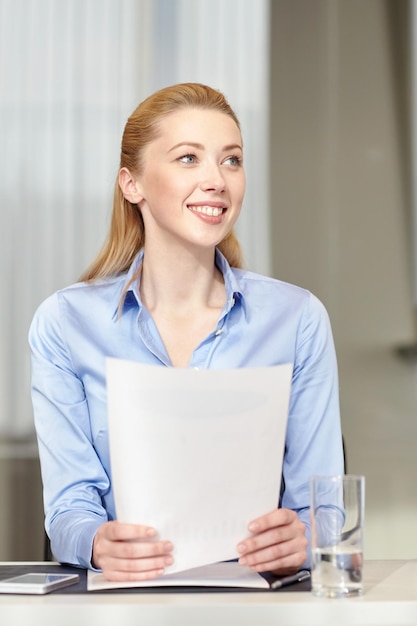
193,124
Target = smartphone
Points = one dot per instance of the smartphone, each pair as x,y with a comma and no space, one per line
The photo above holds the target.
37,583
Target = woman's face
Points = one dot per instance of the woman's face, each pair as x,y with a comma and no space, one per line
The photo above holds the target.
192,183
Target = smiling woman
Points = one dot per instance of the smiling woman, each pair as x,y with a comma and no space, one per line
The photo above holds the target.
189,204
168,289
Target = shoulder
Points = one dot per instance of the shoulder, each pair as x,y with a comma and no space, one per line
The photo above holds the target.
81,299
274,291
283,307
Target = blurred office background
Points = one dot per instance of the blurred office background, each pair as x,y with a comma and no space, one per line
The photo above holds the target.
324,92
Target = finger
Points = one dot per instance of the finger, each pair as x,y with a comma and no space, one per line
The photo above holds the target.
119,570
275,535
115,531
138,566
287,554
265,539
286,565
277,517
135,569
141,549
117,540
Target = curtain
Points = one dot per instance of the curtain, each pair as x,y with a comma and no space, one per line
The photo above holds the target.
70,74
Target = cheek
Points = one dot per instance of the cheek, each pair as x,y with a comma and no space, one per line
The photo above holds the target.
240,190
162,185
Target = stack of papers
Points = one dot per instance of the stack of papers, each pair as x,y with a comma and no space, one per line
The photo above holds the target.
216,575
196,454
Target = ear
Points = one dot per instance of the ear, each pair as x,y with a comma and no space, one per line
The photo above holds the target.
130,186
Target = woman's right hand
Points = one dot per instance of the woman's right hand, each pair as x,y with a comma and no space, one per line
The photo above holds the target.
130,552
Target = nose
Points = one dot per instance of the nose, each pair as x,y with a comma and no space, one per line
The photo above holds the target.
212,178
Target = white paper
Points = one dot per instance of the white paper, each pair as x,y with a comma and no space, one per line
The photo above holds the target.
197,454
229,574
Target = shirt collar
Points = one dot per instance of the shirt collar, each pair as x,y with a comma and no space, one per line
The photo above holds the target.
234,291
132,294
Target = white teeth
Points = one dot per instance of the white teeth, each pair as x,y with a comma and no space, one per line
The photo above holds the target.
207,210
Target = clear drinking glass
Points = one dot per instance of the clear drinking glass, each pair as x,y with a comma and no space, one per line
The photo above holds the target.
337,518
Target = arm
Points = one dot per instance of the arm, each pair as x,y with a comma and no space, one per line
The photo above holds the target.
279,541
79,510
73,478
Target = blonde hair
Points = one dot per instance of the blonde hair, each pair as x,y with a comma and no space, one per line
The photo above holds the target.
127,233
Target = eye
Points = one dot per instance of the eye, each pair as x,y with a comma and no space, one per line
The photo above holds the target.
233,160
188,158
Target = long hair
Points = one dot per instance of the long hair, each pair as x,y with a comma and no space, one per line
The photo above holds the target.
127,232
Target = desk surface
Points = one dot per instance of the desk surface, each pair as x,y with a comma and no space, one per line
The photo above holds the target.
389,599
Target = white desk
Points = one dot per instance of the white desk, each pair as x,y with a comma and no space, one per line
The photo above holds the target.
390,599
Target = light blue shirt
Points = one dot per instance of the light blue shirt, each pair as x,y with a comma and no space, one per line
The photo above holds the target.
264,322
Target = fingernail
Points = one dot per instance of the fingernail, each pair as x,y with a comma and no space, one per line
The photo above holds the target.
243,560
253,527
168,546
241,547
168,560
150,532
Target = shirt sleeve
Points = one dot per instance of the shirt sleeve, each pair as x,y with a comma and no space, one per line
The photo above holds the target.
314,440
73,477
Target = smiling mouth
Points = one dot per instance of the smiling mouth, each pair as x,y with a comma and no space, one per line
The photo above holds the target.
208,210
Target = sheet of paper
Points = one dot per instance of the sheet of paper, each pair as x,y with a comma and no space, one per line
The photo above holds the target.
197,454
229,574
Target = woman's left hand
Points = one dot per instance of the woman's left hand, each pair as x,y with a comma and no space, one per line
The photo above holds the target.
277,544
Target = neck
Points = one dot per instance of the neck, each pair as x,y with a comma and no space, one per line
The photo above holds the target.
182,279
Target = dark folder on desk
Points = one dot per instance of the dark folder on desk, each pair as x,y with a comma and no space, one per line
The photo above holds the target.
9,570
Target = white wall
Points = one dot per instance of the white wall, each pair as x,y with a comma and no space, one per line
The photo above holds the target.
339,207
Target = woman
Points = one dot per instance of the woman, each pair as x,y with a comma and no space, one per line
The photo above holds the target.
168,289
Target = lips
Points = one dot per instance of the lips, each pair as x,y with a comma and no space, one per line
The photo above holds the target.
207,209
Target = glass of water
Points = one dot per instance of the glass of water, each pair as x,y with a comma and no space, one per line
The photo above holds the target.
337,518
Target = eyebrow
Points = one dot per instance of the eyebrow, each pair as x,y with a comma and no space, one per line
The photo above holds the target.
199,146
